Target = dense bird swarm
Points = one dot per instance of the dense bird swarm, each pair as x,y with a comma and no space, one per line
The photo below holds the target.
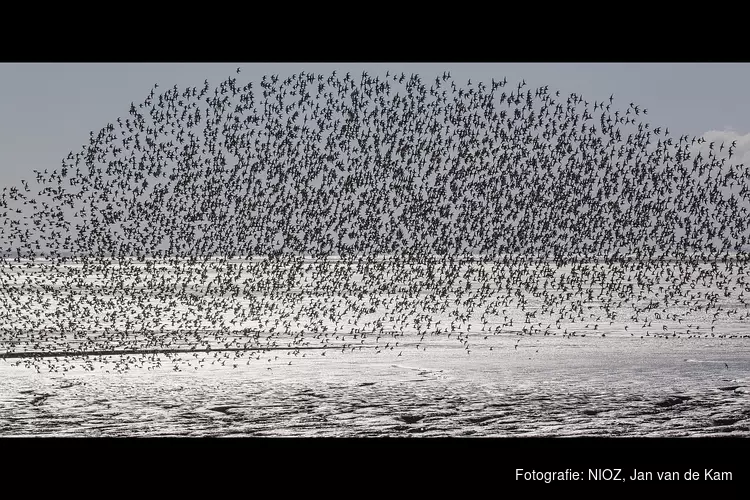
341,211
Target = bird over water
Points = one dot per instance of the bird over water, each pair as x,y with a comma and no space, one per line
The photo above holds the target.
290,217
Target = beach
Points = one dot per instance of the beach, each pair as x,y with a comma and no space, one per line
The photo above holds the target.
546,387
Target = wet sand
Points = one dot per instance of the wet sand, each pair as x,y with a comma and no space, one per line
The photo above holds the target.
548,386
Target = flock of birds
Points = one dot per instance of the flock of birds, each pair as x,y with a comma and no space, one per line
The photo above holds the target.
340,212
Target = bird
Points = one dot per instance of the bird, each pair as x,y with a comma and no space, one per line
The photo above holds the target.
314,211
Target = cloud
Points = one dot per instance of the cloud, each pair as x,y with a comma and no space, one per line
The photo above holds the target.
741,151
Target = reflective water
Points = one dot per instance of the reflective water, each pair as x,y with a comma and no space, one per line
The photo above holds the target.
658,354
546,386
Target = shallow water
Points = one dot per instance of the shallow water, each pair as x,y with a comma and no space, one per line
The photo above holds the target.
545,387
669,356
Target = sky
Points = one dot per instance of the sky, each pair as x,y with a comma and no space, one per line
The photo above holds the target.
48,109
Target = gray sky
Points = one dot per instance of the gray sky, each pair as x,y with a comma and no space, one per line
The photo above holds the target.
48,110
